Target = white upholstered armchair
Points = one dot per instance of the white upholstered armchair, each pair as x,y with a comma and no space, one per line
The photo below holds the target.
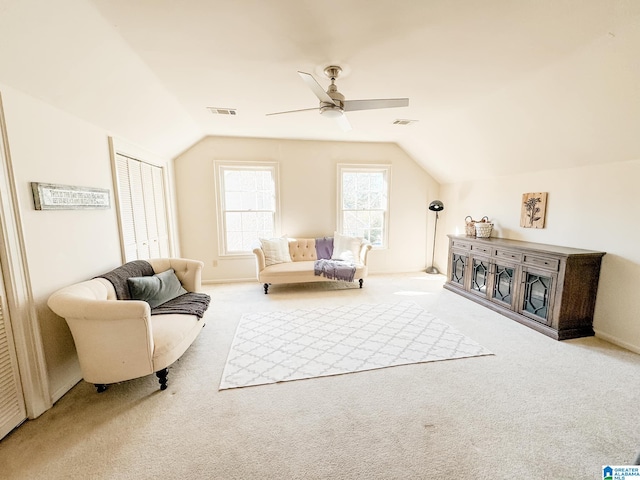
119,340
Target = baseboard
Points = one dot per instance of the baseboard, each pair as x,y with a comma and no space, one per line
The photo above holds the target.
228,280
68,385
617,341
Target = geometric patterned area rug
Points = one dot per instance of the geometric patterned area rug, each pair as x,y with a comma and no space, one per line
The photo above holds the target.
271,347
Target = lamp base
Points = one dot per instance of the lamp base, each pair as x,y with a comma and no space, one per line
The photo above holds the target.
433,270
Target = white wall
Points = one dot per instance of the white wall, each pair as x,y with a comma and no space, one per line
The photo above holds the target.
589,207
66,246
308,176
62,247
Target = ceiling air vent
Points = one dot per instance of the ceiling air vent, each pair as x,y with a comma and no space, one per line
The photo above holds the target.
404,122
222,111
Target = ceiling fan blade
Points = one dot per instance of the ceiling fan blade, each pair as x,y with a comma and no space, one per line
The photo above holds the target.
351,105
316,88
343,123
293,111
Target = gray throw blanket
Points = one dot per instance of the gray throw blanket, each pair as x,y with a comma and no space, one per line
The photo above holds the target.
118,276
191,303
335,269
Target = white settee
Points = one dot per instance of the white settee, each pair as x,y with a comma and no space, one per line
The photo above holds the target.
273,268
119,340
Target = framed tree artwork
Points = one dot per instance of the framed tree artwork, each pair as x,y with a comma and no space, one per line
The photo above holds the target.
534,206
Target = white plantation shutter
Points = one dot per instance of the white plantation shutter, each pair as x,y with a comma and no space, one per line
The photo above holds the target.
161,214
142,209
127,229
139,215
150,210
12,410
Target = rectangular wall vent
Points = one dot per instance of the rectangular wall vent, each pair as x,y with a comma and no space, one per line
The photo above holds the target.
404,122
222,111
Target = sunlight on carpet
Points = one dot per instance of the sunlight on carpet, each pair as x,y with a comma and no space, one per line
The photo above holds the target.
271,347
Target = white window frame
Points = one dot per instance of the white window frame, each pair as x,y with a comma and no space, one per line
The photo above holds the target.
365,168
220,166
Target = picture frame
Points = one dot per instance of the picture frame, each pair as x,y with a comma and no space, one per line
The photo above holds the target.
533,210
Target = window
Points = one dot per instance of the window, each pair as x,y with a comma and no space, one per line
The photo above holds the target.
247,205
363,200
142,207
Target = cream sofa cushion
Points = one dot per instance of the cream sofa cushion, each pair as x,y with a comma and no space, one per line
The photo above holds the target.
346,248
276,250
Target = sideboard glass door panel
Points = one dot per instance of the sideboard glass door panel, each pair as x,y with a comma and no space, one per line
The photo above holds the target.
479,275
537,292
503,286
458,267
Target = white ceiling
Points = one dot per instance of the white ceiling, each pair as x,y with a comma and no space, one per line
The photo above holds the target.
497,86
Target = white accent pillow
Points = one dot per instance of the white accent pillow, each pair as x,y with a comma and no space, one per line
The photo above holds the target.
346,248
276,250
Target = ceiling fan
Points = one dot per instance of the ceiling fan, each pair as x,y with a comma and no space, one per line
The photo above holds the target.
333,104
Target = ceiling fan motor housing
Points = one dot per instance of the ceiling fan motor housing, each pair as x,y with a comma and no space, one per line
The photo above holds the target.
330,110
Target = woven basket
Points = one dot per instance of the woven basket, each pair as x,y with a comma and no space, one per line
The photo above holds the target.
470,227
483,229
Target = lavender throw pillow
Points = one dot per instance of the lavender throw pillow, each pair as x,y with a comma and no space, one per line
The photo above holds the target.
324,247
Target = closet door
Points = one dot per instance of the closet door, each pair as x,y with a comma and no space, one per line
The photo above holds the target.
160,210
12,409
125,204
143,218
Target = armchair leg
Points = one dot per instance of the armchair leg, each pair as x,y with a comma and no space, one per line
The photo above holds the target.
100,387
266,288
162,378
361,281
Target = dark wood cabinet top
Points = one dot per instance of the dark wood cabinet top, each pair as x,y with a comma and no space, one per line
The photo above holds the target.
529,246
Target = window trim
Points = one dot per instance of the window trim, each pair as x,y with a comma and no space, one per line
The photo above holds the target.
219,167
365,168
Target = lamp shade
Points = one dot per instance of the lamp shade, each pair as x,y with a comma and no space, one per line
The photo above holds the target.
436,206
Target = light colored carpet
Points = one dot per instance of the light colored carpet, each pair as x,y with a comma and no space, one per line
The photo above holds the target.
271,347
537,409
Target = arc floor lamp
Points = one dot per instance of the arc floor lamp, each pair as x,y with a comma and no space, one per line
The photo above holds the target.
435,206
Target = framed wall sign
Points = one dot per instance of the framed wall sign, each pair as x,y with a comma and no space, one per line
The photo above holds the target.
49,196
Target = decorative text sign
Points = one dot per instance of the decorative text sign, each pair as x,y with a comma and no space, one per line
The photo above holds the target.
48,196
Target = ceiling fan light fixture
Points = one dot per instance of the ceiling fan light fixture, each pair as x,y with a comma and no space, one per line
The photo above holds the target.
331,111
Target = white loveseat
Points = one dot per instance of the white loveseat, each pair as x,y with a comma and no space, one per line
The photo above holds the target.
298,266
119,340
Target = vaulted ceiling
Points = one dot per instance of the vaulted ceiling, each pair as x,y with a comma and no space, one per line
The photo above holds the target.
497,87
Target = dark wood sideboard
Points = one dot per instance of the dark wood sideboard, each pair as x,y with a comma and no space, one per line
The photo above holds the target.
549,288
